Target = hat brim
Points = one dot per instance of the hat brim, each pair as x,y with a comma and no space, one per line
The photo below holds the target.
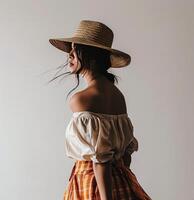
118,58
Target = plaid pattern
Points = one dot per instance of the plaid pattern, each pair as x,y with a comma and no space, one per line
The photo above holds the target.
83,186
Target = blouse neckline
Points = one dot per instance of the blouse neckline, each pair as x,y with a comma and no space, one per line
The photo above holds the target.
101,114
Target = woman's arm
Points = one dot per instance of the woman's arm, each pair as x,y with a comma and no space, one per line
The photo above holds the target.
103,175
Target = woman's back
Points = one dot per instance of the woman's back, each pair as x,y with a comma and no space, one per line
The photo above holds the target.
101,96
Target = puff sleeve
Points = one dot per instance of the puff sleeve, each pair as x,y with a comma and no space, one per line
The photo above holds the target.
87,138
133,146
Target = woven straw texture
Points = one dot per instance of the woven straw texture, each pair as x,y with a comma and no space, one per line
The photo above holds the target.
95,34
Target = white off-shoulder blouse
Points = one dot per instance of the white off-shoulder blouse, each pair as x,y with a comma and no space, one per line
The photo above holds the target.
99,137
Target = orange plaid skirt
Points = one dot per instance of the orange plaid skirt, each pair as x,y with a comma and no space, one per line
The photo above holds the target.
83,186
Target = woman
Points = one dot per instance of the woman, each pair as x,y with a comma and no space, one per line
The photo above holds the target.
99,135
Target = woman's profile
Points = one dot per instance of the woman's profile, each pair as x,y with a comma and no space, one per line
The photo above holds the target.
99,135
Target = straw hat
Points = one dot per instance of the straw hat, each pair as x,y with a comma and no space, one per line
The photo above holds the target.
97,34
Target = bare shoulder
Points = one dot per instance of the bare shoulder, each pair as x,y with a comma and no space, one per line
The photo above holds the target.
81,101
108,100
76,101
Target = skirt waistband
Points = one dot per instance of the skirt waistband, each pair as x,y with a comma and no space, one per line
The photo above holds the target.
85,167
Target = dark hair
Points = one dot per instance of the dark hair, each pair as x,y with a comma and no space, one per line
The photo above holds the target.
93,58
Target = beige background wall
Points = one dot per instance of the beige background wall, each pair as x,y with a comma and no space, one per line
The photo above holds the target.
158,86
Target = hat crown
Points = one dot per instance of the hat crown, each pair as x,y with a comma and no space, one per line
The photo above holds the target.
95,31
